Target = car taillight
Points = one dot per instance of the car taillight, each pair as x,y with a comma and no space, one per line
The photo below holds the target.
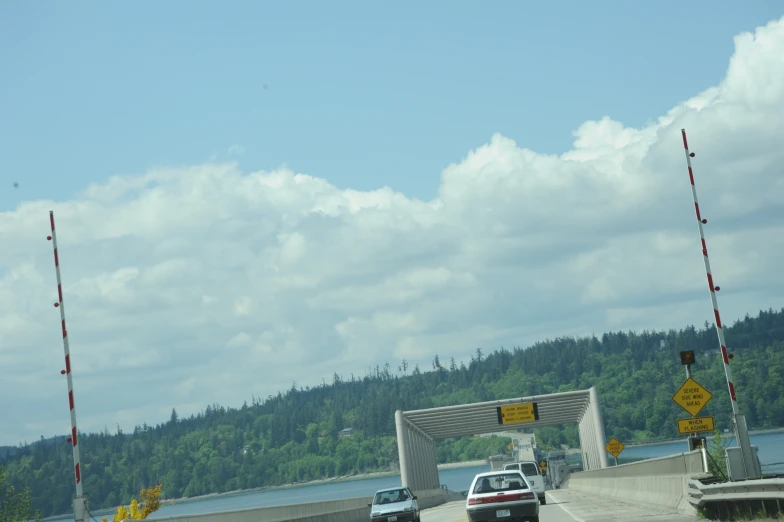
501,498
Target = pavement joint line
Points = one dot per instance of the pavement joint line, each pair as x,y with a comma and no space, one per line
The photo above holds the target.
558,502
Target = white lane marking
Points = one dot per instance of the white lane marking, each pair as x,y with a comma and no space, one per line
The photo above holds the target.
575,517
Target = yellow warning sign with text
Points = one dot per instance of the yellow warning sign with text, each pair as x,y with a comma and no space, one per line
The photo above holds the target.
614,447
692,397
696,425
517,413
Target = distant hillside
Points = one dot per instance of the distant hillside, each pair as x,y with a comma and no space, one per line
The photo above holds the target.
294,436
6,451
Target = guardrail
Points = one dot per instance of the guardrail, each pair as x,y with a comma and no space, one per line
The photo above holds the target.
760,489
726,500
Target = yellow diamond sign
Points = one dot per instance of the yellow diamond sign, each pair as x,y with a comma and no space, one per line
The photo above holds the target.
614,447
692,397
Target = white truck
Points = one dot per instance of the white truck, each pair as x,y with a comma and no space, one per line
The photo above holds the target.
534,475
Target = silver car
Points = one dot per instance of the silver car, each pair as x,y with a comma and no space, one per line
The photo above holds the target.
397,504
500,496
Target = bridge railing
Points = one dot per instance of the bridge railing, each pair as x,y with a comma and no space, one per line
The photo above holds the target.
659,482
345,510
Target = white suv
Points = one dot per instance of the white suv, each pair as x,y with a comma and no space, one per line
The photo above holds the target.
531,471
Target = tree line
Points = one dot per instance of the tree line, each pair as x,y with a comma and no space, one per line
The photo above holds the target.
294,435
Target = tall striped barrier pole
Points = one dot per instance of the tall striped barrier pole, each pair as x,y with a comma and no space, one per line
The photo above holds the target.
80,502
741,431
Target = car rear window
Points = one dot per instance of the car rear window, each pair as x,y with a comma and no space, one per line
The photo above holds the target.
390,497
502,482
529,468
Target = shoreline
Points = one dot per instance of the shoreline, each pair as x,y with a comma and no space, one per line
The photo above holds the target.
379,474
316,482
345,478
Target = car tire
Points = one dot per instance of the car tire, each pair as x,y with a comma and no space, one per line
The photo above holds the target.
543,500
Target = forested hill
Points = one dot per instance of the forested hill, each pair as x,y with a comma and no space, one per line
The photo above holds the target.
294,435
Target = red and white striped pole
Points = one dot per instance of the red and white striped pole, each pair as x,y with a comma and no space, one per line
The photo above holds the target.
73,439
713,289
752,469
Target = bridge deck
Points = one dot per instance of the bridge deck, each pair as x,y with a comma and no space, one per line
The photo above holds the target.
564,505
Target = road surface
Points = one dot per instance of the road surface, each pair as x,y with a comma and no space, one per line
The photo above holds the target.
564,505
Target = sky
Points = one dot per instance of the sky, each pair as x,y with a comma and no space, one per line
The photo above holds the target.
252,195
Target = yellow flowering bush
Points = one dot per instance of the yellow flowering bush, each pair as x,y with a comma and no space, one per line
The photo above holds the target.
150,503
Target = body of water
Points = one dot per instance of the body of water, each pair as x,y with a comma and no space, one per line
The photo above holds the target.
771,453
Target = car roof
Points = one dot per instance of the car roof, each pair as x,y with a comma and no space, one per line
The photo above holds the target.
395,488
495,473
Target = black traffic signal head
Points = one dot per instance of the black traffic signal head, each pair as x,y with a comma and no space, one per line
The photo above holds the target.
696,443
687,357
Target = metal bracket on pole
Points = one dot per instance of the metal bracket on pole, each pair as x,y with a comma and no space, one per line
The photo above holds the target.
81,513
750,460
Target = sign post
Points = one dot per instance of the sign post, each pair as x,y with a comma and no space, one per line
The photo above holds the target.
687,359
692,397
614,447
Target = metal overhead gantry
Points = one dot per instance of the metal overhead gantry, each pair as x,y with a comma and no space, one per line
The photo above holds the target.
418,430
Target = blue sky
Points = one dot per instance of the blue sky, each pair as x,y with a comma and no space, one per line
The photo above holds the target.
200,283
361,95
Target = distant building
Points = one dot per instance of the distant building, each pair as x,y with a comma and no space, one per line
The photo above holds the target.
347,432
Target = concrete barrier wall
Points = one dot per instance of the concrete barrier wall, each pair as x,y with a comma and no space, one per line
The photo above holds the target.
690,463
661,482
346,510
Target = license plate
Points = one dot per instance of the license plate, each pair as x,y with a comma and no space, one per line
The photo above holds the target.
502,513
392,519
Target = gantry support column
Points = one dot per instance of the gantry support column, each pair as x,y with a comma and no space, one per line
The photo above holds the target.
417,439
402,448
593,439
433,464
599,427
582,441
417,455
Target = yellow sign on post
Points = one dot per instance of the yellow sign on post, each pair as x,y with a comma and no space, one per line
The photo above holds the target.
518,413
696,425
614,447
692,397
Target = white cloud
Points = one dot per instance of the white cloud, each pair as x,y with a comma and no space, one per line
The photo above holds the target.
188,286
